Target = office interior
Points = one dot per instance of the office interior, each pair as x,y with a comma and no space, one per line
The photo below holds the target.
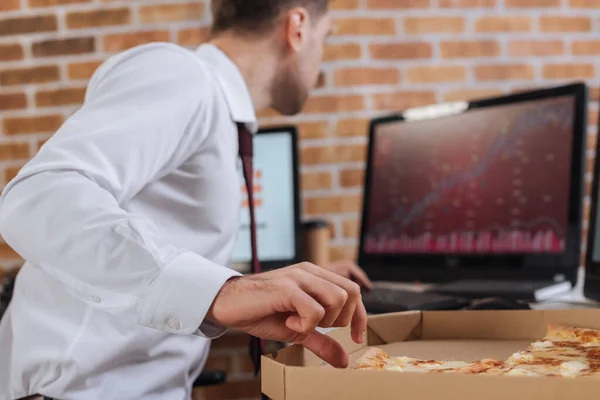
449,148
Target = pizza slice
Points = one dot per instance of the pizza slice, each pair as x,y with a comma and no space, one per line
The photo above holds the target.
377,359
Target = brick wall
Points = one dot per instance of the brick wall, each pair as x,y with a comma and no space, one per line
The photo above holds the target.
385,55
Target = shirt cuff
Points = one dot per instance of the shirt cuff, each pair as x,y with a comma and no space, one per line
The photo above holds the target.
181,295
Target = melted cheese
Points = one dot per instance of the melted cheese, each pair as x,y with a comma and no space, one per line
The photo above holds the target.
541,345
572,368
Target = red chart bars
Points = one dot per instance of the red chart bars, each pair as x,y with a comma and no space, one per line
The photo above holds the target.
468,242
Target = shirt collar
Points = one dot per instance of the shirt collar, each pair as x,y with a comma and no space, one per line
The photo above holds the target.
232,82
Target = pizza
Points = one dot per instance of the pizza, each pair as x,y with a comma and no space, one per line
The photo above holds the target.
564,352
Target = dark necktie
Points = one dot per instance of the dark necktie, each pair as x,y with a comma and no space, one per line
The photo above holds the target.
246,154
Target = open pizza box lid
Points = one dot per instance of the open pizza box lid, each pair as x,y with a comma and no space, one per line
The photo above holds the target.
296,374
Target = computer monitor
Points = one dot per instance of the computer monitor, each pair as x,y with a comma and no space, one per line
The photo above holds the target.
477,190
277,202
592,259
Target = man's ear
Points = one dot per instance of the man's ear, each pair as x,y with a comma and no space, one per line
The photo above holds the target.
298,22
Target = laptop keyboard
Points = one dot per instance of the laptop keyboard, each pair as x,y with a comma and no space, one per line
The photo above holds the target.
384,300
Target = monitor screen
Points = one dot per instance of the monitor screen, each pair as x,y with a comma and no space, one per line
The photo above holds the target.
492,180
274,194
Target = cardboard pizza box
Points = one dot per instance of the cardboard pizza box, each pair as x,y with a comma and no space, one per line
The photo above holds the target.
296,374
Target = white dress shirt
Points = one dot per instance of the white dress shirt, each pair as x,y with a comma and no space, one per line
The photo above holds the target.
127,219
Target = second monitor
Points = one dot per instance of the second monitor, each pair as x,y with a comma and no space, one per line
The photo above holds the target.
489,189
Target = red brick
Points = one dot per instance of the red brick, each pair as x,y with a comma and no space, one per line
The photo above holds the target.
420,25
366,76
533,3
352,228
352,127
586,47
482,48
62,47
343,4
352,178
340,253
565,24
317,180
10,173
400,50
504,72
313,130
14,151
7,253
9,5
402,100
471,94
12,101
24,76
59,97
397,4
332,104
123,41
83,70
21,25
333,154
503,24
39,124
430,74
192,36
171,12
221,363
9,52
584,3
53,3
333,204
568,71
105,17
347,51
233,390
467,3
364,26
539,48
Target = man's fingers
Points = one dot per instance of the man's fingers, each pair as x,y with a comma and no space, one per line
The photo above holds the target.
353,290
326,349
358,326
360,276
332,297
310,313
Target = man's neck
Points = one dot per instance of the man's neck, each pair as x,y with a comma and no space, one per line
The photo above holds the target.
256,61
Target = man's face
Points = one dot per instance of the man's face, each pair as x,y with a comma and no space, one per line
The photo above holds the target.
299,70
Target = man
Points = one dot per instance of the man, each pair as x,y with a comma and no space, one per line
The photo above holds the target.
128,216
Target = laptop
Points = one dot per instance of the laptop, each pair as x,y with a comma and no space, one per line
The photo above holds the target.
478,199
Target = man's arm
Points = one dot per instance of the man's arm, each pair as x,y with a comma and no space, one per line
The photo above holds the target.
63,211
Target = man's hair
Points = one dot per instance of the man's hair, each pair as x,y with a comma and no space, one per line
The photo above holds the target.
257,16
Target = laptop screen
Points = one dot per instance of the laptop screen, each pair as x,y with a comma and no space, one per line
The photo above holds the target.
493,180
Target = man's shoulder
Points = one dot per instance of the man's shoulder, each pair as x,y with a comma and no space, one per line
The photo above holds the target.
159,60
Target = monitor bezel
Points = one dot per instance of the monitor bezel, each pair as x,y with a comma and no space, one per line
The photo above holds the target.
451,267
591,287
276,264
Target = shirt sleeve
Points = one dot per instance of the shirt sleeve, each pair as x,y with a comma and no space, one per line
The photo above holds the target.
64,214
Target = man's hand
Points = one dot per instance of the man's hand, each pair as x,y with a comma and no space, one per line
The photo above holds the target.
350,270
287,305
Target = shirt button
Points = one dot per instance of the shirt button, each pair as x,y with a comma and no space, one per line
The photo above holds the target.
174,324
96,299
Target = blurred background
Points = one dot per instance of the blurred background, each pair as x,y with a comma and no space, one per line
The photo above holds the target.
384,56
